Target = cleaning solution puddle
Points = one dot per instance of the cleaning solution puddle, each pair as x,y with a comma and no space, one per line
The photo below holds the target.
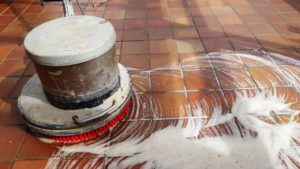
258,129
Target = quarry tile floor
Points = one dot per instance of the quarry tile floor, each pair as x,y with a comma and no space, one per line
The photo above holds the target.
157,40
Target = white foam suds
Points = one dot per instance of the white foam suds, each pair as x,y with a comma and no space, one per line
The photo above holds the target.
264,142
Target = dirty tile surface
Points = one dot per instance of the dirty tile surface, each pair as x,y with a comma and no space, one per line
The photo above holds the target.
169,48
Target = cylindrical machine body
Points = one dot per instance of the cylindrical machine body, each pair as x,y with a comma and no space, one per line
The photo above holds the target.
77,63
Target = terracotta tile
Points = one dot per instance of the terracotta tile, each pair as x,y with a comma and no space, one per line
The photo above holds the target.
156,5
244,42
135,34
166,80
5,47
274,18
252,19
95,13
189,46
216,3
275,54
135,61
29,164
143,106
113,161
9,113
217,44
210,31
222,10
190,61
171,105
34,9
11,139
185,33
182,21
118,23
206,21
229,19
234,78
238,2
261,29
164,61
137,5
135,23
114,14
7,85
203,103
140,81
177,4
135,47
273,41
162,46
119,35
157,13
293,41
262,58
6,20
158,23
15,10
285,7
136,14
265,8
5,165
289,94
12,67
291,16
30,70
293,70
179,12
196,3
161,124
258,1
236,30
267,77
225,60
286,28
200,79
91,163
41,150
160,33
202,11
244,9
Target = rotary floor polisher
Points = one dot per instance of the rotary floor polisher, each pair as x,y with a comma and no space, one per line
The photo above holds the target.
80,90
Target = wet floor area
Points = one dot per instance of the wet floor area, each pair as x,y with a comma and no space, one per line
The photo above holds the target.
215,85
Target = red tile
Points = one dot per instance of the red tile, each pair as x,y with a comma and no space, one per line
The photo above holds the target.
189,46
232,95
261,29
200,79
267,77
135,34
286,28
236,30
156,5
135,61
91,163
167,80
217,44
9,113
265,8
41,150
238,2
206,21
157,13
29,164
229,19
6,47
158,22
186,32
160,33
162,46
210,31
177,4
135,23
140,81
244,42
286,7
117,23
5,165
11,139
143,106
216,2
196,3
12,67
202,11
136,14
7,85
252,19
203,103
17,53
244,9
273,41
114,14
274,18
194,61
119,35
222,10
182,21
225,60
135,47
179,12
6,20
257,61
34,9
171,105
164,61
234,78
